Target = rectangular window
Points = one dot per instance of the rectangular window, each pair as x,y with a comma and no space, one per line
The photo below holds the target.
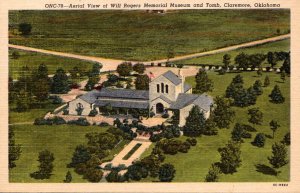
157,87
167,88
162,87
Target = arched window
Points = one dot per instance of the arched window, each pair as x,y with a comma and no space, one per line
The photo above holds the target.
167,88
162,87
157,88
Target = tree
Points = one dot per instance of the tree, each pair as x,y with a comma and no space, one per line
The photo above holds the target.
282,76
266,81
92,81
230,157
60,83
142,82
203,83
81,155
139,68
68,177
272,59
41,90
14,149
93,173
93,77
286,139
213,174
25,28
166,173
226,60
276,96
195,123
257,86
136,172
222,113
113,176
256,116
286,66
46,159
241,60
23,101
274,126
237,133
124,69
259,140
259,72
279,157
96,69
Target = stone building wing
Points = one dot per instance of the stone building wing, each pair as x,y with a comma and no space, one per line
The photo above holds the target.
123,104
183,100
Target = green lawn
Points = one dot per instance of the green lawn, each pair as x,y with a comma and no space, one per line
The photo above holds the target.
138,35
283,45
60,140
193,166
34,59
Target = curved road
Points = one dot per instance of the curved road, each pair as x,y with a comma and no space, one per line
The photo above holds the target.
111,64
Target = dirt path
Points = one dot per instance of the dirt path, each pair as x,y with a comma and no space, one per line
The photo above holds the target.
21,123
226,49
111,64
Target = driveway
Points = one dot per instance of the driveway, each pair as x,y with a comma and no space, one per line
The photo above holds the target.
118,159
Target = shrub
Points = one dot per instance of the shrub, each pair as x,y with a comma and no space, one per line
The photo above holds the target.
93,113
41,121
166,115
65,112
58,121
152,114
50,121
192,141
259,140
80,121
103,124
57,100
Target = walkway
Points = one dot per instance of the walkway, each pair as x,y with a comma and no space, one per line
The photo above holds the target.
118,159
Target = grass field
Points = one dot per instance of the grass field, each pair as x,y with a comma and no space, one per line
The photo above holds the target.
283,45
193,166
33,60
60,140
138,35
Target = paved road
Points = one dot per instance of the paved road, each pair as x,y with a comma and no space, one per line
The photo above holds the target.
111,64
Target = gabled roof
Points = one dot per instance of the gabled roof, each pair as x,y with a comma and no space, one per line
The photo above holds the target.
203,101
124,93
172,77
164,98
90,97
186,87
93,95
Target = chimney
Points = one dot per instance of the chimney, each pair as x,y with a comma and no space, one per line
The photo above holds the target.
181,77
